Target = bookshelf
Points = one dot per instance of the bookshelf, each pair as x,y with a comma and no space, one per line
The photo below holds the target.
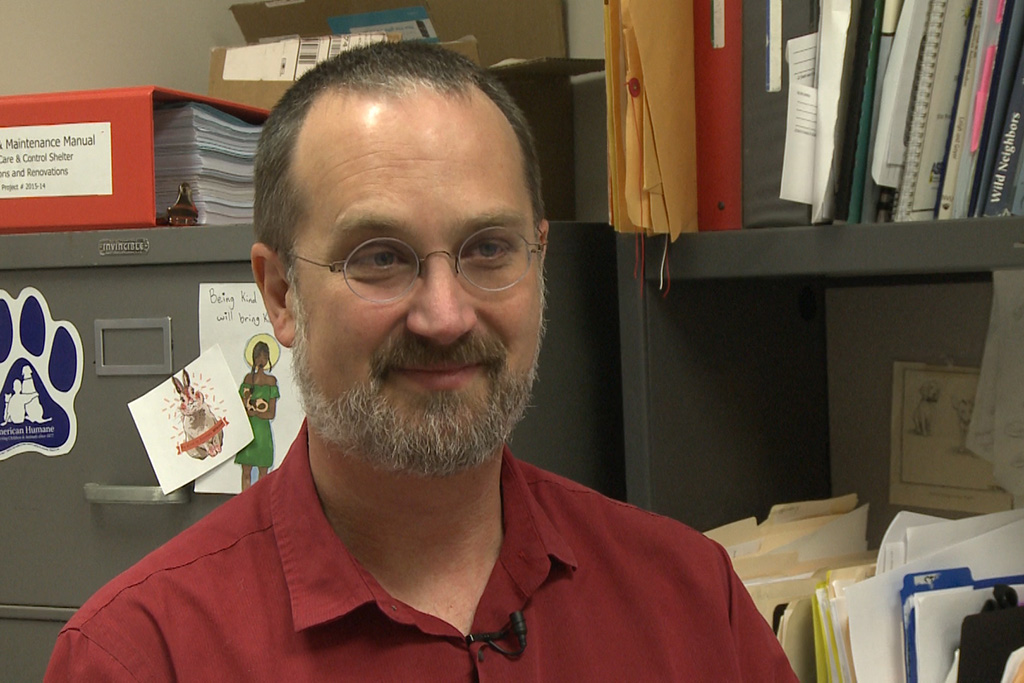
864,250
764,374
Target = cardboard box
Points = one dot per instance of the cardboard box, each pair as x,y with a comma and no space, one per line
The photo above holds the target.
248,74
84,160
543,90
527,35
523,29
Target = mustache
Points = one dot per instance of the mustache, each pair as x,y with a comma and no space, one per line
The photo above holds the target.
407,349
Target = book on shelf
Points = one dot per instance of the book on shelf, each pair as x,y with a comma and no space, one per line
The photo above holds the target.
872,191
1017,190
856,127
921,103
765,101
980,89
999,199
718,96
866,122
837,37
897,86
1003,73
958,123
941,56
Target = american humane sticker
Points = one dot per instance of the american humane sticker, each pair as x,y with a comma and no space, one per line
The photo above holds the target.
40,371
193,421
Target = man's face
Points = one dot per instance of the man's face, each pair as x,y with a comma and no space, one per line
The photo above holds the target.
433,382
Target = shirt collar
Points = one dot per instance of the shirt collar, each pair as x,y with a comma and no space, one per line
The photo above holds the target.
531,540
325,582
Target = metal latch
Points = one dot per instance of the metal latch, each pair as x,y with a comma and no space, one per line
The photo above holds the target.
184,211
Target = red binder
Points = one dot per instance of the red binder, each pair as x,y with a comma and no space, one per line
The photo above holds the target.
718,85
129,111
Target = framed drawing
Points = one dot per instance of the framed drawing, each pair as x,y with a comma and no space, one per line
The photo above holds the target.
930,464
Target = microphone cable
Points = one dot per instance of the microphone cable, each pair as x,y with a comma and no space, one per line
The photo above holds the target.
516,625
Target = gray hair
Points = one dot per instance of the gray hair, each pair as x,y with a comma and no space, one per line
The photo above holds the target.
385,68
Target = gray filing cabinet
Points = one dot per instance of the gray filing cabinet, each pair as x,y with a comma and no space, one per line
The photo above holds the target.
57,547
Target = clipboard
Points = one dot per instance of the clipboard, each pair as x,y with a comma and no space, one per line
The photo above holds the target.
987,640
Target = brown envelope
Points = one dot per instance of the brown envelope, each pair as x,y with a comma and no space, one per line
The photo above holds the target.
651,131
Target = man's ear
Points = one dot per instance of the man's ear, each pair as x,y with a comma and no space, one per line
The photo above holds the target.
542,232
271,276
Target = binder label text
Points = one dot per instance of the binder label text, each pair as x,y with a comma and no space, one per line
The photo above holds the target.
63,160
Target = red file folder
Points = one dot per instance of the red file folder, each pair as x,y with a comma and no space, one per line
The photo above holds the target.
129,112
718,85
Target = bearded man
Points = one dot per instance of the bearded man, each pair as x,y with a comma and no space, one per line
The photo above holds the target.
400,252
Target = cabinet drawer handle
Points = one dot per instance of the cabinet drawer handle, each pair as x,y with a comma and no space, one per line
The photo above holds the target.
113,494
36,613
104,366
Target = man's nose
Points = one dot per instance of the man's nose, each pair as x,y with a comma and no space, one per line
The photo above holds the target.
441,309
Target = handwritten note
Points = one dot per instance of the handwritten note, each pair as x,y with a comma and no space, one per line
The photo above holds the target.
232,315
234,304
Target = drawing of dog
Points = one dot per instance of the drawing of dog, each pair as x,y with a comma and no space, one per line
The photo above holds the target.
925,411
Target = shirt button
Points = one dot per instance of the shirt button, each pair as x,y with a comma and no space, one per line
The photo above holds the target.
634,87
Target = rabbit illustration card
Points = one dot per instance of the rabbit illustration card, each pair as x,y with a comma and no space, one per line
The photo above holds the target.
232,315
193,421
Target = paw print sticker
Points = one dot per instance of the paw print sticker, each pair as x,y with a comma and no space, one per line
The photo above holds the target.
40,373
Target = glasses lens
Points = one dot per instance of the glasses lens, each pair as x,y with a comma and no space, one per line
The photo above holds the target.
381,269
494,258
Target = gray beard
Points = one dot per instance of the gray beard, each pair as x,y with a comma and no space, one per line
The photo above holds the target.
440,435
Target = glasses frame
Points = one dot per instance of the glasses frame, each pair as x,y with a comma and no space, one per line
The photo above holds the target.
342,265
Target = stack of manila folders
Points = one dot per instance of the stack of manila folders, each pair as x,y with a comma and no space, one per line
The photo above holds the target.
897,614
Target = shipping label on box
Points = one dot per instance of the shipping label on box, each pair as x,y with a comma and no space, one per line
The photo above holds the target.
241,74
65,160
289,59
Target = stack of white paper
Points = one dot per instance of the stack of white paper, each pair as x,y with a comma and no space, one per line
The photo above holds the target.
210,150
905,621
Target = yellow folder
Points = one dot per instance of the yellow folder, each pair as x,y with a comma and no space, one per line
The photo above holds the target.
652,162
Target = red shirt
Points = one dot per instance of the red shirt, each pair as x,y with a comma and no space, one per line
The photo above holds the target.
263,589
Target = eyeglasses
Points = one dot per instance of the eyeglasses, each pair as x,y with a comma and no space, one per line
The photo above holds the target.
384,269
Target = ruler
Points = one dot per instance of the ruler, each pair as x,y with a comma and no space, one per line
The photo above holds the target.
920,100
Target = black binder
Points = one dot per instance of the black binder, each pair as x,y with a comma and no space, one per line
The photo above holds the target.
764,115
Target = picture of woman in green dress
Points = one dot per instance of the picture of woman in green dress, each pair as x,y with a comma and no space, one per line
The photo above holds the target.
259,393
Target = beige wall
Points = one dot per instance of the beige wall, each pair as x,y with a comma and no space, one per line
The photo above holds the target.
585,26
55,45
